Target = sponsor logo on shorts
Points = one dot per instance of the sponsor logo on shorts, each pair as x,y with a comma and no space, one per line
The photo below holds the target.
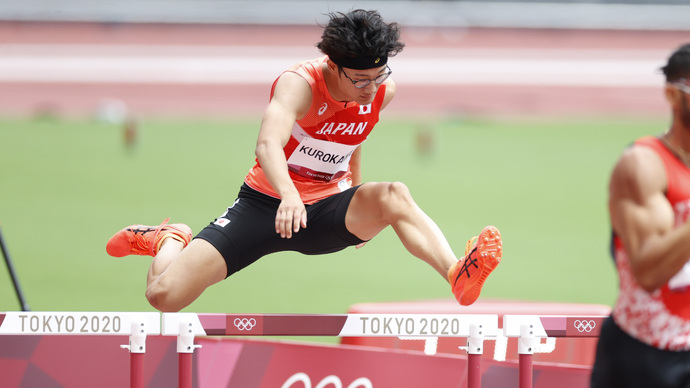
222,222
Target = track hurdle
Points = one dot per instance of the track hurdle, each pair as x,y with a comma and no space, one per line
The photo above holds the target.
476,328
530,329
136,325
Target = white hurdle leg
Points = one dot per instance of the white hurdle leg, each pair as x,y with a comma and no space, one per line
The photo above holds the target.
185,352
185,326
529,330
475,349
137,348
526,347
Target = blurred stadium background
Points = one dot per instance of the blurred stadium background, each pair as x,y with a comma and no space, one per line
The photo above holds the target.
602,14
208,57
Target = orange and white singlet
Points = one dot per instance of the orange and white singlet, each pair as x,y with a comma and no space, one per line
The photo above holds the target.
319,150
660,318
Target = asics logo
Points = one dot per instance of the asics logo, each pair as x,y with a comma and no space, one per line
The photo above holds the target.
584,326
244,323
469,261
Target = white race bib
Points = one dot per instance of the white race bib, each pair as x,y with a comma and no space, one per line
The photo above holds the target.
320,160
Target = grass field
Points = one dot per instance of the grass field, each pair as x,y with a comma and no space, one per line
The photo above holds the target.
67,186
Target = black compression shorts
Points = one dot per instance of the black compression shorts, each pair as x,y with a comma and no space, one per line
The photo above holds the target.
624,362
246,231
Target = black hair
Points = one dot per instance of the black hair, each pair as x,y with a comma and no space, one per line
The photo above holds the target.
678,65
359,33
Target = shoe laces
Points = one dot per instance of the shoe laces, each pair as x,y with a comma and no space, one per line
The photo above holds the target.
468,261
142,243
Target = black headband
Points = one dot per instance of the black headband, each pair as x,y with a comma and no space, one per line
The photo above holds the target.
360,63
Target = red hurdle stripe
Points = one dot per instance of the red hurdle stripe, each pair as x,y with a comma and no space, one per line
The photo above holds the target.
570,326
272,324
554,325
343,325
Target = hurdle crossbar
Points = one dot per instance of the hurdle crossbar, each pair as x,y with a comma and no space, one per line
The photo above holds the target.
475,327
136,325
529,329
340,325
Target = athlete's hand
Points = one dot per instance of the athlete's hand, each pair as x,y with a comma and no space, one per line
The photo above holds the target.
290,216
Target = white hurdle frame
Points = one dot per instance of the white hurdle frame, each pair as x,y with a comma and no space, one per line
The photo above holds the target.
475,327
137,325
529,329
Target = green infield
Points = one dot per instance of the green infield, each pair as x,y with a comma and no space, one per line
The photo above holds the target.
67,186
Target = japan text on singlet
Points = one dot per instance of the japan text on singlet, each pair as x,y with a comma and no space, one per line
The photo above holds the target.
660,318
319,150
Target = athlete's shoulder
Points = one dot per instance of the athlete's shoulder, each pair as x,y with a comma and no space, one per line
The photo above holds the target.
643,150
639,168
641,156
310,69
652,142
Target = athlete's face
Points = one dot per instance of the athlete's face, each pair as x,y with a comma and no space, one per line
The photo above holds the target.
361,85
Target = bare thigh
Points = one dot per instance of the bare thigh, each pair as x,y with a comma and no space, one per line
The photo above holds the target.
197,267
365,216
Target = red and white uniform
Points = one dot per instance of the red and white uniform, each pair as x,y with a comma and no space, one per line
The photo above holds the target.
661,318
318,152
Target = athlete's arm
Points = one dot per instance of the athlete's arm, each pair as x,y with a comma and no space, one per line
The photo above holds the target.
643,219
291,100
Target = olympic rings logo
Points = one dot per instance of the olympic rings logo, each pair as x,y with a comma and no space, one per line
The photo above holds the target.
584,325
244,323
303,378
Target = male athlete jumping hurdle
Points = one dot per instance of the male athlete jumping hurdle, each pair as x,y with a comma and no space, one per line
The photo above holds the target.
305,192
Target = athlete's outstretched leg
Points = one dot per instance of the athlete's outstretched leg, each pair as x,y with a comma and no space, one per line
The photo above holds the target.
177,276
180,270
377,205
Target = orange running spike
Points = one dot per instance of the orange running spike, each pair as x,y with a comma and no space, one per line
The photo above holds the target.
146,240
468,275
